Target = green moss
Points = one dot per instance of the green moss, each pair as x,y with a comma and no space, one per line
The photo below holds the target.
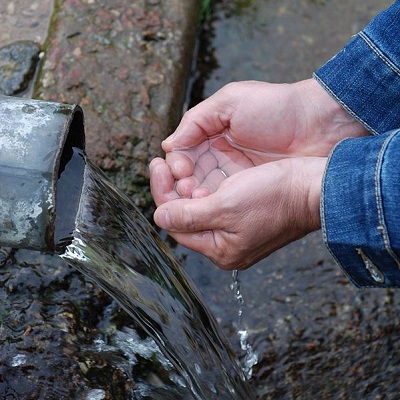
50,33
205,10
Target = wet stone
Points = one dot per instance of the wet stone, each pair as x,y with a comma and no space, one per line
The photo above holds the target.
50,321
126,64
109,58
5,253
17,66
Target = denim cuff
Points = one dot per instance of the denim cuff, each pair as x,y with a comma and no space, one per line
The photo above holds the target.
365,83
364,77
359,209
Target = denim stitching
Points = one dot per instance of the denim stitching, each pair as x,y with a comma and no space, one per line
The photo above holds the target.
375,49
345,106
323,222
382,225
324,229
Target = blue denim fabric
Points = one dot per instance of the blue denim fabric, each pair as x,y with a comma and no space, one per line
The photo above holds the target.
365,76
361,189
360,209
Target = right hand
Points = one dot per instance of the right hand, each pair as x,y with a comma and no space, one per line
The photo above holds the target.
299,119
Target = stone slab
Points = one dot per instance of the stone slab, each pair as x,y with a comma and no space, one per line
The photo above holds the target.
126,64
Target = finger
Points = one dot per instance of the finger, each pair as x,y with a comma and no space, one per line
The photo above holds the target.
202,242
184,187
183,215
210,184
202,191
161,182
205,119
182,161
203,167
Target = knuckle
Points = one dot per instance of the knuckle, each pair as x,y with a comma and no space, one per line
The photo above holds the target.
188,115
189,219
231,86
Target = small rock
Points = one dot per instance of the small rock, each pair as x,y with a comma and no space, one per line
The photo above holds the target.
17,66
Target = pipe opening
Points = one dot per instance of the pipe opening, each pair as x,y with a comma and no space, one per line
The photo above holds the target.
75,138
70,181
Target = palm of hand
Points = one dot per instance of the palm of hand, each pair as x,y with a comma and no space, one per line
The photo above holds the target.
200,170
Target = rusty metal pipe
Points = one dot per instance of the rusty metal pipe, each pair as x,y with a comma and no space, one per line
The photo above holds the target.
36,141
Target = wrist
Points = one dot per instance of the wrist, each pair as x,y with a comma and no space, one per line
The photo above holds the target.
307,175
323,117
305,181
315,176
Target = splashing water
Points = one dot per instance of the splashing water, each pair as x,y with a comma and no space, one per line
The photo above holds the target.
250,358
115,246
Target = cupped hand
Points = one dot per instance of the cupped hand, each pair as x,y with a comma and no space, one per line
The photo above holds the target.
250,215
269,121
243,170
198,171
299,119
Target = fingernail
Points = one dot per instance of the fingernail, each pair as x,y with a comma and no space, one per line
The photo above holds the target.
164,219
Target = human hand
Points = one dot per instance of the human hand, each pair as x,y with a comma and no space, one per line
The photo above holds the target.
219,151
198,171
299,119
250,214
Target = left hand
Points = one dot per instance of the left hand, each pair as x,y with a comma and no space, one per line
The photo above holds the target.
246,216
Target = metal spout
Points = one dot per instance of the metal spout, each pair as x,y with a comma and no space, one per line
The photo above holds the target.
36,141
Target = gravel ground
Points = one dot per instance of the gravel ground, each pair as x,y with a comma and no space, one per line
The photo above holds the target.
24,20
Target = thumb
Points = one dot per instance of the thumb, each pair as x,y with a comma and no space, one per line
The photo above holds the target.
204,120
186,215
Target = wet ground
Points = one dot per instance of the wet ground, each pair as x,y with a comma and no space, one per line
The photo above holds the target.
126,63
278,41
316,336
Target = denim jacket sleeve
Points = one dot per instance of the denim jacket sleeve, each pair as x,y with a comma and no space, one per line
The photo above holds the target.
364,77
361,188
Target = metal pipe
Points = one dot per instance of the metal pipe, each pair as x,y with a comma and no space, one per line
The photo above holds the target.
36,142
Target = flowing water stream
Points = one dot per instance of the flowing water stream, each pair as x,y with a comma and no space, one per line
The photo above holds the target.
115,246
250,357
